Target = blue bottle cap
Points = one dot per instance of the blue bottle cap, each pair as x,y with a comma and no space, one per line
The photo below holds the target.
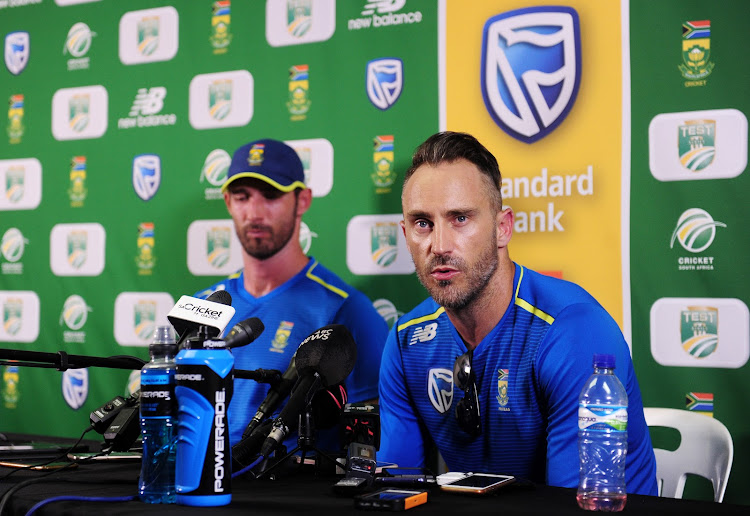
604,361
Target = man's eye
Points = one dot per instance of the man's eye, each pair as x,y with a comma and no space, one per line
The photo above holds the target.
461,218
422,224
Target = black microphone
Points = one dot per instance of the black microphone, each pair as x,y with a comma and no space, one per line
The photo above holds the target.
190,313
324,358
244,332
276,394
246,451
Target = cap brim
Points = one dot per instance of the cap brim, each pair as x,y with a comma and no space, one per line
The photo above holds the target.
255,175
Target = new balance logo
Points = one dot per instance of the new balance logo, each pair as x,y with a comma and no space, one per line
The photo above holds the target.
148,101
424,333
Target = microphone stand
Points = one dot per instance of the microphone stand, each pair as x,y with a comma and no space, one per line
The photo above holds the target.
62,361
305,442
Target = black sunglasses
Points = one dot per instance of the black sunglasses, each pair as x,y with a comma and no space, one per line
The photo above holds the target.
467,409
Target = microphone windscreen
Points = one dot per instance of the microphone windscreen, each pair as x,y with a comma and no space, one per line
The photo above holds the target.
330,351
221,296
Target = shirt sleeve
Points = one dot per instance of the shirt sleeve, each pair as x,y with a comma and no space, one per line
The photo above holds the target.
370,331
401,440
564,363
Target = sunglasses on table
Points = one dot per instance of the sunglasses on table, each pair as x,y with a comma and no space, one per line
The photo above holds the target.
467,409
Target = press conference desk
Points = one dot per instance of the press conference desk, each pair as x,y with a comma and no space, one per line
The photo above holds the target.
305,493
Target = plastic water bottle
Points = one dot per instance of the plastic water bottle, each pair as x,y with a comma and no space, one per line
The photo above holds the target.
602,439
158,410
204,389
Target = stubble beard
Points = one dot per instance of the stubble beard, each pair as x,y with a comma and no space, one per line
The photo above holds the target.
277,239
450,295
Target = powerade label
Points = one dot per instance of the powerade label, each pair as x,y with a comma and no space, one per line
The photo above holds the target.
157,394
603,418
203,448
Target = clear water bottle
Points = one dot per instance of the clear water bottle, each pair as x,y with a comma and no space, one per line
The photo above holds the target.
602,439
158,420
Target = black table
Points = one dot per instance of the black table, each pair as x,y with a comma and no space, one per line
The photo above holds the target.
304,492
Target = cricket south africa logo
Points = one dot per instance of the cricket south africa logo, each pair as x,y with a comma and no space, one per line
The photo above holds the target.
695,230
696,52
531,69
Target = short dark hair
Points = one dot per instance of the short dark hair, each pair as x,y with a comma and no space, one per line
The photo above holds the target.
448,147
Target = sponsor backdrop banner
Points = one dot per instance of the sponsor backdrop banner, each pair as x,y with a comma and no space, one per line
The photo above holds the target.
689,255
122,118
121,121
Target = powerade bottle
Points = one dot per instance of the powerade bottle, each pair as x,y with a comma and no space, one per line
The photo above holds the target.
602,439
158,410
204,388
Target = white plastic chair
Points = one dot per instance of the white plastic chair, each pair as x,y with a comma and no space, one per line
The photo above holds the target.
706,449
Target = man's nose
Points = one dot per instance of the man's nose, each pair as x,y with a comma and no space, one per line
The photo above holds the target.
442,239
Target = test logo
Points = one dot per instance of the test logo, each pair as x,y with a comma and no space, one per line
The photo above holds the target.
531,69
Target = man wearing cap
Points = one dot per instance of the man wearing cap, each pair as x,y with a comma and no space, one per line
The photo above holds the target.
291,293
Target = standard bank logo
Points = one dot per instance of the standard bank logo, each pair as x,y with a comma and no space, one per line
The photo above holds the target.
375,245
693,145
137,314
146,175
75,387
384,80
531,69
20,316
695,230
213,248
295,22
223,99
20,184
440,389
700,332
17,48
79,113
77,249
149,35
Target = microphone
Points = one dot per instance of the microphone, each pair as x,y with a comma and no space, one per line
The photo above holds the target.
190,313
244,332
246,451
324,358
276,394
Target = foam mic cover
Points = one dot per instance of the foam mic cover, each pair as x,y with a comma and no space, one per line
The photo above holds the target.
220,296
244,332
330,351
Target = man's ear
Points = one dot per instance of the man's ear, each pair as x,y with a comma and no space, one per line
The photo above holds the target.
304,200
504,222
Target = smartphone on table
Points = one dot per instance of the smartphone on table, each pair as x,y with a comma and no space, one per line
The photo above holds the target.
477,483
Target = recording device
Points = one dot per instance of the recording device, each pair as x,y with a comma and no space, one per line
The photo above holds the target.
324,358
124,430
361,424
104,416
391,499
361,466
477,483
190,313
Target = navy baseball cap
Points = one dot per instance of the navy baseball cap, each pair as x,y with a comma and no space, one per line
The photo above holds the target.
271,161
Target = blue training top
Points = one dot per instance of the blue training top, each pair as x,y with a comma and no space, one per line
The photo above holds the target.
313,298
530,370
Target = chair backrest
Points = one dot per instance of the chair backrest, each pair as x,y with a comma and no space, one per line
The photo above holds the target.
706,449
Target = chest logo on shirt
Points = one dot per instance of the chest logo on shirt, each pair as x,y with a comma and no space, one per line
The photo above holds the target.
502,389
424,333
281,339
440,389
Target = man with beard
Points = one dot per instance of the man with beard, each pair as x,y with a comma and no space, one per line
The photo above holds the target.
489,369
291,293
